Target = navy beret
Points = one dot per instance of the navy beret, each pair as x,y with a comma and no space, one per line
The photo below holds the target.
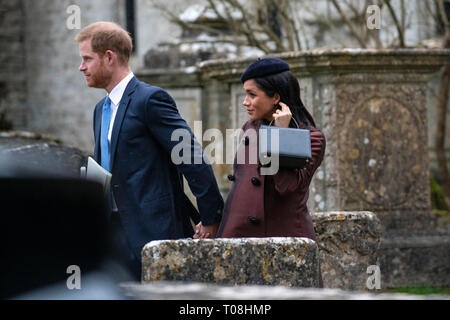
264,67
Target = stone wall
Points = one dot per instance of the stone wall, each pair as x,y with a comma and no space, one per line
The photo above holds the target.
40,85
347,244
59,102
12,61
264,261
413,258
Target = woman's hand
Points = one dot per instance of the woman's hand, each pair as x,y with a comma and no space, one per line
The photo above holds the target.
282,117
204,232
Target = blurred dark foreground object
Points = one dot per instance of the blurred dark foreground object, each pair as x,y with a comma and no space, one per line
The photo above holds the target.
49,224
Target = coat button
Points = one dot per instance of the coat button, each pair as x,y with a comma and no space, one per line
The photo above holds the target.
254,220
231,177
256,181
246,140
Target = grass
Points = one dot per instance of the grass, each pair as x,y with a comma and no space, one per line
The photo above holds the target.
419,290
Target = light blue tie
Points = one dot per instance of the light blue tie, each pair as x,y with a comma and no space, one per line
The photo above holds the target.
104,145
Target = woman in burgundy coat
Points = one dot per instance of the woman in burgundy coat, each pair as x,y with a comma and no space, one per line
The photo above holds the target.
271,205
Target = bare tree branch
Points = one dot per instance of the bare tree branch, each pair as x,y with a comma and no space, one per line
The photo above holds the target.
443,16
400,30
188,25
355,11
360,16
293,32
216,11
430,11
294,26
349,24
403,15
248,30
235,26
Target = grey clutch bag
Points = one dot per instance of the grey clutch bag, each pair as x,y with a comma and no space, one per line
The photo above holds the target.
294,146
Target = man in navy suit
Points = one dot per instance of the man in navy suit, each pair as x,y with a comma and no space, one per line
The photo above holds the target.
133,128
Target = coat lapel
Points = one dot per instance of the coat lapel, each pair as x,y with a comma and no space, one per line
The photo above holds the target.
120,115
97,125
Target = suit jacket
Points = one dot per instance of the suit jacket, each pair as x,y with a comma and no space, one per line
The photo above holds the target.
270,206
147,186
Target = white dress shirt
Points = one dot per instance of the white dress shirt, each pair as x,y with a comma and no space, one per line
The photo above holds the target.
116,96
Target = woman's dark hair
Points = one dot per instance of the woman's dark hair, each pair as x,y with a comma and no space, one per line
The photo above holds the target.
286,85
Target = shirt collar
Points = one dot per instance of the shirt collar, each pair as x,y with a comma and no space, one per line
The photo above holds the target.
116,94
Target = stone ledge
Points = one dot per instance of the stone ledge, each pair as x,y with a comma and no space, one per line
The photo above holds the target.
415,242
343,215
30,154
29,135
331,60
417,259
262,261
165,290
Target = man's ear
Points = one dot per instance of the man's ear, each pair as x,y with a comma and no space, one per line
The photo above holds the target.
111,56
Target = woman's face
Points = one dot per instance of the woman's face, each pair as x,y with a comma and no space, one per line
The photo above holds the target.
259,105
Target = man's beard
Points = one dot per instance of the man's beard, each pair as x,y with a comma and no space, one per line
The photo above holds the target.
100,79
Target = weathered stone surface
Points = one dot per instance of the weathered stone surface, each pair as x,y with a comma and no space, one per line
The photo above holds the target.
28,153
415,258
267,261
348,244
172,290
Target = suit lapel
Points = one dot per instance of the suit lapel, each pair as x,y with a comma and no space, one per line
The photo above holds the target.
120,115
97,125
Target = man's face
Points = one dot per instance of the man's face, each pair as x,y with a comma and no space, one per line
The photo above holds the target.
93,66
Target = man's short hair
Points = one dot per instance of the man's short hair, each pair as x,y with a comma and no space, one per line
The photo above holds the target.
106,35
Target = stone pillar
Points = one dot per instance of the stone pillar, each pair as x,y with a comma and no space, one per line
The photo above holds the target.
348,244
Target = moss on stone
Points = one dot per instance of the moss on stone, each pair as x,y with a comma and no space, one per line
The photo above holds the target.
438,202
